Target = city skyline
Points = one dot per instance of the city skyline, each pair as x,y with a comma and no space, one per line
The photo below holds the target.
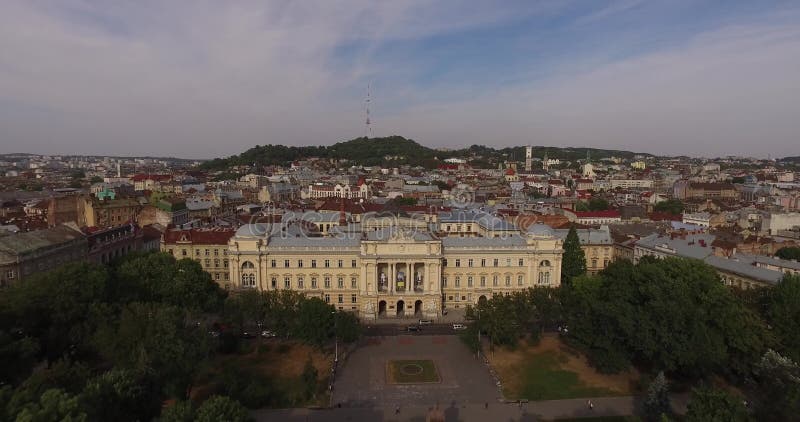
211,80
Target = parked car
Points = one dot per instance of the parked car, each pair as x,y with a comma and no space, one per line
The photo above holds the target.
425,322
414,328
268,334
459,327
248,334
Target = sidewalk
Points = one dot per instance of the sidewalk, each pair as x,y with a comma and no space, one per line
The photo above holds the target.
533,411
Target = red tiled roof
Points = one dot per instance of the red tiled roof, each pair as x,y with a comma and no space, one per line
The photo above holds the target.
217,236
591,214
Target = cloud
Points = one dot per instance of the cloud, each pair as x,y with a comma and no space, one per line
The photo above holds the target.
208,78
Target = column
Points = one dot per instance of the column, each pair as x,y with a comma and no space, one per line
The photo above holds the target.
391,278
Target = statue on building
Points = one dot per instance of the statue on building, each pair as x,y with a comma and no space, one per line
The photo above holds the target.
401,280
383,279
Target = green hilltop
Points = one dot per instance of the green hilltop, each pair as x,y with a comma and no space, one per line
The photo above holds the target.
397,150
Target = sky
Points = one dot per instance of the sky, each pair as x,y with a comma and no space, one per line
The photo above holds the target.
207,78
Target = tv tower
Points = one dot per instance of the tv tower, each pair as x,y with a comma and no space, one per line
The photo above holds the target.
368,127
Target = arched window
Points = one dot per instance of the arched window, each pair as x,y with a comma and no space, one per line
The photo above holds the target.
247,265
544,263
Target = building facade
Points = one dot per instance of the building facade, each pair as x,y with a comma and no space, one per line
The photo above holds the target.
395,271
209,247
23,254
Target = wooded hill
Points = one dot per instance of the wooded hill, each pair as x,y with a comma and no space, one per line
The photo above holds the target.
397,150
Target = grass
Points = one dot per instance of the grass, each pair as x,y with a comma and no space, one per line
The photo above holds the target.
550,370
411,371
273,370
543,379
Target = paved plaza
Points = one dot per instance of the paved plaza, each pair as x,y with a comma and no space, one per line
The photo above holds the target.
362,381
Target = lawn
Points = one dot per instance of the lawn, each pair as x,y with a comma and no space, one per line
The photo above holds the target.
411,371
269,371
551,371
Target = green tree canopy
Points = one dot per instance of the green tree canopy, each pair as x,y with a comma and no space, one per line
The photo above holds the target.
671,206
573,261
715,405
789,252
221,408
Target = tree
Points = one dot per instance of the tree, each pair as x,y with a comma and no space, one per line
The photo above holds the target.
96,179
778,392
656,402
573,261
53,405
121,395
671,206
221,408
314,321
598,204
180,411
714,405
782,311
789,252
152,336
347,326
310,378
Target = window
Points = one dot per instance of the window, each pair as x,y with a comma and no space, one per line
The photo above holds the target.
327,281
521,262
197,252
225,263
208,262
483,262
469,262
171,252
544,278
340,263
458,281
327,298
494,281
216,276
299,263
444,281
300,282
313,282
313,263
10,274
183,252
216,252
216,263
353,283
458,262
520,280
544,263
508,280
495,262
274,282
444,262
207,252
286,263
340,299
508,262
353,298
327,263
469,281
483,281
247,265
353,263
273,264
287,283
226,275
340,282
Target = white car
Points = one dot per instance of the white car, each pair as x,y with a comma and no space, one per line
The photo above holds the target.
459,327
267,334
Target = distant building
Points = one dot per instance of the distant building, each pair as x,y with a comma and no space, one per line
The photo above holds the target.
109,244
209,247
596,244
23,254
597,217
684,189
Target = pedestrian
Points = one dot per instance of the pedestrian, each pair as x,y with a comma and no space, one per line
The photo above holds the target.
590,404
397,410
486,405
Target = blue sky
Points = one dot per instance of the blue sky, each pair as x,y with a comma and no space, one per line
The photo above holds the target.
208,78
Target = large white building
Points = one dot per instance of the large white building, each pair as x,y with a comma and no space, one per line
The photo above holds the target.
394,271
